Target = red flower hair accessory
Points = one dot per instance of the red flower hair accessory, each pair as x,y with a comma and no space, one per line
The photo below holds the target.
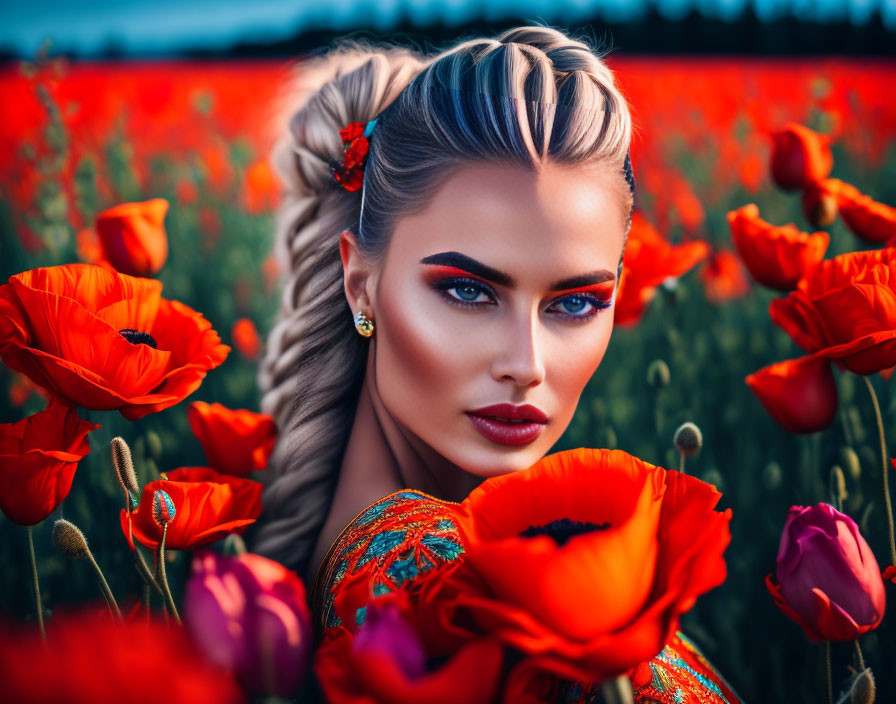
349,173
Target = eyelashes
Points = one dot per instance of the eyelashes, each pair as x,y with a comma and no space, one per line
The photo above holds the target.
473,289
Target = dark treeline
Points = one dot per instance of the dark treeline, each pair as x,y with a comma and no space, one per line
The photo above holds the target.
655,34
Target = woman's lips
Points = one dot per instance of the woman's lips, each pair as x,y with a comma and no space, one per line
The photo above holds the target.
504,432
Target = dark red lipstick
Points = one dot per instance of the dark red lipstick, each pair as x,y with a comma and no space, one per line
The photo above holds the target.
507,424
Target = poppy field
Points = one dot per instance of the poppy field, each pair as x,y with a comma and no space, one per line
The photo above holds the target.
757,302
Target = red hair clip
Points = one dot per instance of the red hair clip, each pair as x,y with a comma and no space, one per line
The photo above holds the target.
349,173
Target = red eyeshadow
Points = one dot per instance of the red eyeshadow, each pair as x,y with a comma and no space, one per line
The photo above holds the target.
602,290
438,271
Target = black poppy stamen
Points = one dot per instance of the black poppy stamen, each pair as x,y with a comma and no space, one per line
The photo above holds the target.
135,337
563,529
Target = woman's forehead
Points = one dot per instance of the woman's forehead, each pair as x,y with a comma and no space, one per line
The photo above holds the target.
510,217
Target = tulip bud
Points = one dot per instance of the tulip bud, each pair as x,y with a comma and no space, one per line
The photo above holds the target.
688,439
68,539
250,615
658,374
385,630
828,580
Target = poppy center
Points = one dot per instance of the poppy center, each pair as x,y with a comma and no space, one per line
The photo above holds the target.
135,337
563,529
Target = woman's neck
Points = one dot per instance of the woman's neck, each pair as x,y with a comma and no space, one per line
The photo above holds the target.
382,457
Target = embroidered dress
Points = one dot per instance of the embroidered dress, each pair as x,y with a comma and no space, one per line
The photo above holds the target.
409,532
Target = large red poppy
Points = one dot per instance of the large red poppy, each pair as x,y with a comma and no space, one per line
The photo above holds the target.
800,394
207,506
649,260
845,310
866,218
776,256
38,459
583,562
133,236
103,340
140,662
237,441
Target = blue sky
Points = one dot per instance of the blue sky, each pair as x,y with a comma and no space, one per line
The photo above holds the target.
164,26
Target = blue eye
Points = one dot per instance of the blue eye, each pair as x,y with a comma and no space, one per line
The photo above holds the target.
576,303
467,291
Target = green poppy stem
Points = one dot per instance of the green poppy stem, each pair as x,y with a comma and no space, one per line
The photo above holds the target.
681,463
104,585
38,605
147,593
883,456
827,663
169,600
859,653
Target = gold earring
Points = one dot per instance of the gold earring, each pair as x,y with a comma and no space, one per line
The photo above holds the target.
363,324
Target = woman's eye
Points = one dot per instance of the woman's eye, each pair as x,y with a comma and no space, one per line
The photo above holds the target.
464,292
580,306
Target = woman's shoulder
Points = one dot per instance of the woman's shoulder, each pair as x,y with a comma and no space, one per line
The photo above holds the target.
396,538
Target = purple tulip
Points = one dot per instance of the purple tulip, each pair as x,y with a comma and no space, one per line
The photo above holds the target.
828,580
250,615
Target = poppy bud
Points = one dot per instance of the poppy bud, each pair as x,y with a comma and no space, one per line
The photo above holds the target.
771,475
688,439
69,540
163,510
819,206
863,690
828,580
124,470
658,374
850,462
799,156
838,483
154,444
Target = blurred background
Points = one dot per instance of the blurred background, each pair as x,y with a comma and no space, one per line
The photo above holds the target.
105,102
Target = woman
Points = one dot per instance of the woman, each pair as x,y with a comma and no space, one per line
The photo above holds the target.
450,293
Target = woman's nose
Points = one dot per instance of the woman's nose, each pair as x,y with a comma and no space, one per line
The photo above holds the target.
521,354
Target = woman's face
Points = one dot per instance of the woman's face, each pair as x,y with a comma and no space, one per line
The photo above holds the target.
500,291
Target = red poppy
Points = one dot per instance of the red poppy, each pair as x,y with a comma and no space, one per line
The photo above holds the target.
245,338
845,310
584,561
800,156
140,662
262,189
38,459
236,442
385,662
723,278
649,260
800,394
103,340
133,236
207,506
867,219
776,256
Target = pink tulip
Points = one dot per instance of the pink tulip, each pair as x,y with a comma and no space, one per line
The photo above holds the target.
385,631
828,580
250,615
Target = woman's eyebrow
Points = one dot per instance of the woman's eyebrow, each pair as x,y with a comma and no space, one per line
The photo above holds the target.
470,265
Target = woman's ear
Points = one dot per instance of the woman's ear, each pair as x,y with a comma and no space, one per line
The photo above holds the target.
357,273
